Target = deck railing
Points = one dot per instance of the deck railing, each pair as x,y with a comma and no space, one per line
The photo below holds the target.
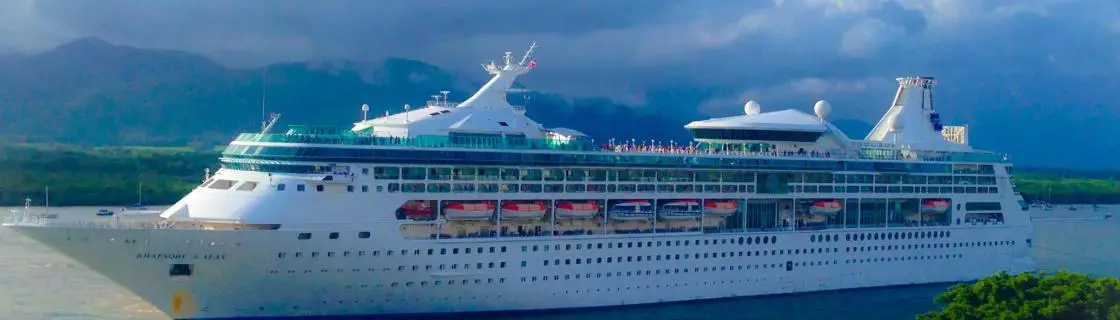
432,141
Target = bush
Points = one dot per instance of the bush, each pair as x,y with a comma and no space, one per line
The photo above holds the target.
1064,296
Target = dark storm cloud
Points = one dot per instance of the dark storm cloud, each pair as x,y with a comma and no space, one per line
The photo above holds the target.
783,50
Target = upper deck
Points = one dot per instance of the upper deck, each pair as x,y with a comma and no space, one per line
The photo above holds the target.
487,130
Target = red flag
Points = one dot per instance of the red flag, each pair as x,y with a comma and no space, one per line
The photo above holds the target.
532,63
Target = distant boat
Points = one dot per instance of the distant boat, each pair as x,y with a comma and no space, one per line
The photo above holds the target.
104,213
139,205
46,210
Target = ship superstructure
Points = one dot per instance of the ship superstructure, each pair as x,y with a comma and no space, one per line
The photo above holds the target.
474,207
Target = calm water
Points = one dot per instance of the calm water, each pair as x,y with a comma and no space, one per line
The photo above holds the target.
36,283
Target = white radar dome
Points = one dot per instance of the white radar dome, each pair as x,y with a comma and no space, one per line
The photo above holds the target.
822,109
752,108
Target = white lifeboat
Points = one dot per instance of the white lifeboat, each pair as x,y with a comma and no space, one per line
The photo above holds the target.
935,206
515,210
469,211
720,207
576,209
825,207
632,210
680,210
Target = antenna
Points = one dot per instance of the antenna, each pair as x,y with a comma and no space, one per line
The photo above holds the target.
365,110
508,58
264,97
528,53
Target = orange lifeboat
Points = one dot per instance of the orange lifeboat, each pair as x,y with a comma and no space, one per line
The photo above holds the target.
516,210
935,206
720,207
826,207
576,209
417,210
469,211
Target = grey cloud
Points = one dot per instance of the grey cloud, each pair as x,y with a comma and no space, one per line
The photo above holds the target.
620,48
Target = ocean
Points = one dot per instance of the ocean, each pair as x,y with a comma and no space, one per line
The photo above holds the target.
37,283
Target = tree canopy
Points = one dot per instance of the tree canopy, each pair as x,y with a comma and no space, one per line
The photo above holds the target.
1060,296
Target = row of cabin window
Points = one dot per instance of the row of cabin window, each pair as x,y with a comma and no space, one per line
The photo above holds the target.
666,188
654,175
598,188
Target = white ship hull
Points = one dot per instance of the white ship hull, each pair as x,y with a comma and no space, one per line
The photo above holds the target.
241,274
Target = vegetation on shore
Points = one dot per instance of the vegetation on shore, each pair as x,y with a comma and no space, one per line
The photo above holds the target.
1068,186
111,176
1040,296
99,176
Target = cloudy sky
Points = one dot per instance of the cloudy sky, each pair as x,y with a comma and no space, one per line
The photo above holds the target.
780,52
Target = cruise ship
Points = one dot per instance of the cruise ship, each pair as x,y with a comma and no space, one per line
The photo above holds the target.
472,206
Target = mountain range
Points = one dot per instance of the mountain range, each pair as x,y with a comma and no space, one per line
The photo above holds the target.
91,92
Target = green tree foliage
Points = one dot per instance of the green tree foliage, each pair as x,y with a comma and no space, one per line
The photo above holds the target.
1060,296
1068,186
99,176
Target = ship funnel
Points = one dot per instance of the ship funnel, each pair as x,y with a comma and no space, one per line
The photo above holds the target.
913,106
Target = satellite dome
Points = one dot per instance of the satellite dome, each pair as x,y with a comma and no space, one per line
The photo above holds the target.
822,109
752,108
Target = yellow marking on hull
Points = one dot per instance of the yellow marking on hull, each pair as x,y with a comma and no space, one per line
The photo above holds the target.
182,304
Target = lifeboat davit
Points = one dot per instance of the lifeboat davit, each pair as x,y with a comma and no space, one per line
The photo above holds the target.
632,210
576,209
417,210
827,207
679,210
935,206
469,211
720,207
515,210
914,217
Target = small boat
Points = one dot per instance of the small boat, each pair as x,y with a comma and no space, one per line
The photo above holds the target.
825,207
935,206
104,213
576,209
417,210
720,207
632,210
139,205
520,210
469,211
135,207
680,210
